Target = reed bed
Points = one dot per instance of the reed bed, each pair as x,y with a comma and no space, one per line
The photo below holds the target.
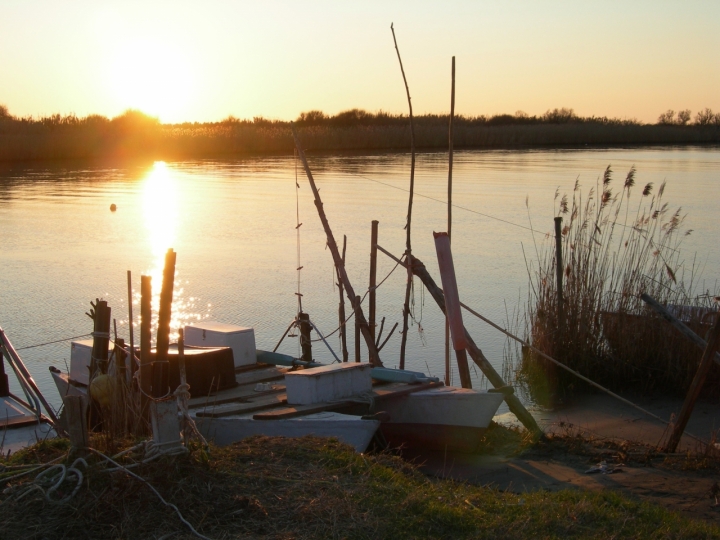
134,134
618,241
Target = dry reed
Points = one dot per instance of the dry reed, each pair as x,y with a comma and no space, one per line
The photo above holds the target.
617,244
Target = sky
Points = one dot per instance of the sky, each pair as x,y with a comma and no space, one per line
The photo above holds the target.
204,61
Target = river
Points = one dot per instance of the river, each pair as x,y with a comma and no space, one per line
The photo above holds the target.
233,225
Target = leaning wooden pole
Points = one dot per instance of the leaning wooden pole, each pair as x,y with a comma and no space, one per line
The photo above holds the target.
408,245
339,266
449,208
695,387
514,404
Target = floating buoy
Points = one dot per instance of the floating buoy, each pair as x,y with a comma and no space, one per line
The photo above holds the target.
113,207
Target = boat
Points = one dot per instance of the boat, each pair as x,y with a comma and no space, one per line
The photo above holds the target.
22,421
275,394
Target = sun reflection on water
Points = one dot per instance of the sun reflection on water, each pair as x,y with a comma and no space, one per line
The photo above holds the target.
161,201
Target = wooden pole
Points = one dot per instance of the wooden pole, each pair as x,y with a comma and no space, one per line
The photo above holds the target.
373,276
76,422
305,343
452,301
357,333
133,365
514,404
101,339
341,308
677,324
559,273
408,246
449,211
695,386
183,380
349,291
145,340
161,365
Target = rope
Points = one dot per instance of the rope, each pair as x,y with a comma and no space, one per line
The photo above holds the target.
49,481
51,342
182,393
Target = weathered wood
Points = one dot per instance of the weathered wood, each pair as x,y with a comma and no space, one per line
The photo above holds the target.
514,404
131,329
341,307
101,338
559,273
357,334
349,291
161,366
677,324
232,409
695,386
408,245
449,209
373,278
76,421
394,390
302,410
145,340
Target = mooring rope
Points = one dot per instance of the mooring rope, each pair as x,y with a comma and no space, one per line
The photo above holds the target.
51,342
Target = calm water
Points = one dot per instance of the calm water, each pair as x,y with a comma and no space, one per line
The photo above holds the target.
232,224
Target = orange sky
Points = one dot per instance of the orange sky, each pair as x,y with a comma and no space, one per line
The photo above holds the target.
193,61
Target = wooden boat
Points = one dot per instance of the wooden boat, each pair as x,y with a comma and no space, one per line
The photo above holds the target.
22,422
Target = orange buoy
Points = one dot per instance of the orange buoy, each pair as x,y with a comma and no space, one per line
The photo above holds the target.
113,207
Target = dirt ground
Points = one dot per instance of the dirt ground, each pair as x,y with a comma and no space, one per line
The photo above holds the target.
597,429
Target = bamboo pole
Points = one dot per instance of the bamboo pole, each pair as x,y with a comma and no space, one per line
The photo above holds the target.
349,291
373,277
341,308
408,246
449,211
695,387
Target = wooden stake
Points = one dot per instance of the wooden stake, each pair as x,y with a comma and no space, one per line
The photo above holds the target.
76,422
341,308
357,333
695,386
183,380
559,274
349,291
145,340
161,365
408,246
133,365
449,212
373,276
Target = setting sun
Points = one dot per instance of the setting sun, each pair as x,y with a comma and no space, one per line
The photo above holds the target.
151,76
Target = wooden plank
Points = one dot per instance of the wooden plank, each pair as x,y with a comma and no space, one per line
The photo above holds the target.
402,389
230,409
302,410
240,394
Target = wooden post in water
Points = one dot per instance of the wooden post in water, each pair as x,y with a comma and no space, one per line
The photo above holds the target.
161,365
183,381
133,365
559,274
357,332
145,340
341,307
713,345
101,338
76,422
449,211
452,303
349,291
305,343
373,276
408,246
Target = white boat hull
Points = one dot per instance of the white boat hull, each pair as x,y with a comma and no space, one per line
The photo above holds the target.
352,430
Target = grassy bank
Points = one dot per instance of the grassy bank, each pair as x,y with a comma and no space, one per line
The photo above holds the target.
618,242
318,488
134,134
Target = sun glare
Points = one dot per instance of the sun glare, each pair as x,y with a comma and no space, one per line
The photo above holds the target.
153,77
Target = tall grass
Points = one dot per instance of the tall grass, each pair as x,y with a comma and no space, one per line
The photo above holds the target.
618,242
138,135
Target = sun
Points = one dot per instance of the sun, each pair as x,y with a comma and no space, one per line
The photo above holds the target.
152,76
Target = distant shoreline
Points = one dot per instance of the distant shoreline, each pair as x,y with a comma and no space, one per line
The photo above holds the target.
135,135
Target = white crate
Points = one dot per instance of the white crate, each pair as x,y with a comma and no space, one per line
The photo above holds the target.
327,383
80,355
215,334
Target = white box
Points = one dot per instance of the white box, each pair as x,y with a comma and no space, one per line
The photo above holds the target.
80,355
327,383
215,334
